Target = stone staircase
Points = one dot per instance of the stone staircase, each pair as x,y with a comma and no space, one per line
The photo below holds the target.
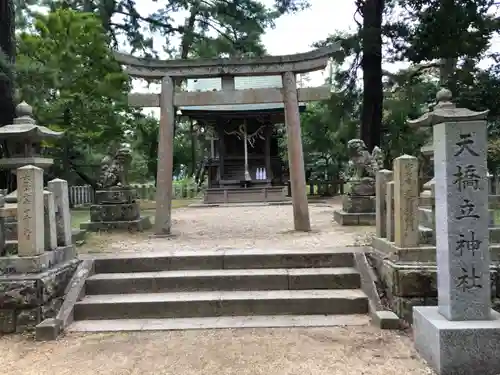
226,288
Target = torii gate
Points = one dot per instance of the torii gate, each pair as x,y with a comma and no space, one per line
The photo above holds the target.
287,66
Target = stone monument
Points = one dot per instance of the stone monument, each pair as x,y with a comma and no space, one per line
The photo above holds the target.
23,139
358,205
461,336
116,205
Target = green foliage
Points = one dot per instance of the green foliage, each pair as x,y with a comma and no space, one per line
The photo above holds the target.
400,104
66,71
494,155
446,29
144,132
210,27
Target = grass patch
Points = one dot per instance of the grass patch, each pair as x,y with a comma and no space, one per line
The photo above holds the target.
78,217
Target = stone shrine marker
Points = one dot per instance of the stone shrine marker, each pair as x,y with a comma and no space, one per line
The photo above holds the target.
462,220
462,334
30,231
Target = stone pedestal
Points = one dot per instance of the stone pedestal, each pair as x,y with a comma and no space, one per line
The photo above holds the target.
454,347
116,209
357,208
32,287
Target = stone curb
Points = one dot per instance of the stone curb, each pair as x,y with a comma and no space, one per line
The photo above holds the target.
51,328
381,318
256,204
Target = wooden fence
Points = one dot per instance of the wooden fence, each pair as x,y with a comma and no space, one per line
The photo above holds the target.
81,195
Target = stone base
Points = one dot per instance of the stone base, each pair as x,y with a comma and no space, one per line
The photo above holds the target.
14,264
244,195
411,283
358,204
139,225
347,218
457,347
116,195
115,212
27,299
420,253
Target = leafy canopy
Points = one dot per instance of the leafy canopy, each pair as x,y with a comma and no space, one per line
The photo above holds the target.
66,71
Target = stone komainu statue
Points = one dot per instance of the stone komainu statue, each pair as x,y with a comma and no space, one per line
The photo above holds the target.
114,170
362,164
362,168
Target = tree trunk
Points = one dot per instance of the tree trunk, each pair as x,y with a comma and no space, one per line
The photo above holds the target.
373,95
8,47
7,102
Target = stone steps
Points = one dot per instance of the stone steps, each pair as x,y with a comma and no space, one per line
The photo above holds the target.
230,280
223,288
221,303
262,321
225,259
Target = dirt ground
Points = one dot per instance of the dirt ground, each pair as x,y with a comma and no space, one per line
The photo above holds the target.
238,227
354,350
316,351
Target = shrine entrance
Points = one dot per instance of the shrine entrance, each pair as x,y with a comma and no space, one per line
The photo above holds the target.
242,162
170,101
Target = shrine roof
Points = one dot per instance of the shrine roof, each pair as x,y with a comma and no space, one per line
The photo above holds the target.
240,83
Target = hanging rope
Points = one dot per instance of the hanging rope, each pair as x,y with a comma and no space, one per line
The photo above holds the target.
251,138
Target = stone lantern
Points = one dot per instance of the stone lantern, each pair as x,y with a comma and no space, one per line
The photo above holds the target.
23,140
444,111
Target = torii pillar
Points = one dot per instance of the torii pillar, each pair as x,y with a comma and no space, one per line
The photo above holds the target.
295,154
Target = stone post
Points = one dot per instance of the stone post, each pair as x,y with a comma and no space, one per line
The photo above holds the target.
30,218
295,154
59,189
163,213
383,177
406,201
389,204
462,334
50,222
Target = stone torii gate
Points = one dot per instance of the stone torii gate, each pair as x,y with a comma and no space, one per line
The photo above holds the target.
168,71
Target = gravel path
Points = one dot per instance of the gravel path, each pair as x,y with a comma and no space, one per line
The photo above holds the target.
239,227
313,351
291,351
